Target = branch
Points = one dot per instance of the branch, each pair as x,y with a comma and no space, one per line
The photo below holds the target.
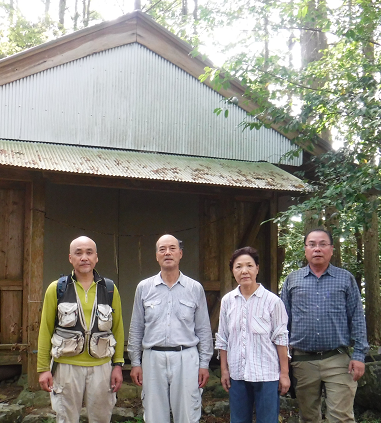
329,32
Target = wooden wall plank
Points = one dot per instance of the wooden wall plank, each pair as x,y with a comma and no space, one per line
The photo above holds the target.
253,227
10,324
26,266
15,245
4,212
228,242
10,357
35,288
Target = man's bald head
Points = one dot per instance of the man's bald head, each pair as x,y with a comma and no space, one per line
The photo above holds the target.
83,256
168,252
81,240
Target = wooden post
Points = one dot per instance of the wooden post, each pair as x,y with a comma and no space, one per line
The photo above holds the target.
274,245
228,243
35,285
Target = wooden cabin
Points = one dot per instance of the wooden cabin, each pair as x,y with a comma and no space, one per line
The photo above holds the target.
107,132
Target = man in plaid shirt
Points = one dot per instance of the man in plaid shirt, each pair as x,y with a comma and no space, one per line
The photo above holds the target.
325,318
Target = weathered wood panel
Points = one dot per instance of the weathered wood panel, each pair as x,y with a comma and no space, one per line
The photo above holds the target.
35,285
10,316
11,262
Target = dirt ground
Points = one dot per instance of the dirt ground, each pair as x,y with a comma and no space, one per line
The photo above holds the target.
9,391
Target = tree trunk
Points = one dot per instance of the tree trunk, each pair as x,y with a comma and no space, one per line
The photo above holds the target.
86,12
11,11
332,223
47,8
76,16
61,12
359,259
372,279
312,42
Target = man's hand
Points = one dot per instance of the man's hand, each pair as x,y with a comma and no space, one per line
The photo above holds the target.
137,375
284,384
46,381
116,378
203,377
357,368
225,380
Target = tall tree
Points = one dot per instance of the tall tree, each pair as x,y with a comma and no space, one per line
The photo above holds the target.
338,89
61,12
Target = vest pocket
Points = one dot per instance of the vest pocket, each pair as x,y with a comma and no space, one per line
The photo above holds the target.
102,345
104,313
67,314
67,343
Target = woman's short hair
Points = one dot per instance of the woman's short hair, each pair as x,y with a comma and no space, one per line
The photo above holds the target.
250,251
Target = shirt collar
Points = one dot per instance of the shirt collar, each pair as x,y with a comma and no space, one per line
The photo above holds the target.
158,280
330,270
258,292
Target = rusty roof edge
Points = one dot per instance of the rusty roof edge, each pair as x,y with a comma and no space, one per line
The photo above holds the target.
144,165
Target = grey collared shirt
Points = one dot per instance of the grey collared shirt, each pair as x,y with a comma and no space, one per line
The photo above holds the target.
168,317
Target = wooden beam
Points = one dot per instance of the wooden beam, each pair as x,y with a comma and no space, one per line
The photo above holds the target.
212,286
10,284
13,347
26,269
35,289
165,186
215,314
254,226
227,242
8,358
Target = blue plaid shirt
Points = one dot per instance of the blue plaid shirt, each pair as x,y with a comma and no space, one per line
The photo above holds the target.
325,313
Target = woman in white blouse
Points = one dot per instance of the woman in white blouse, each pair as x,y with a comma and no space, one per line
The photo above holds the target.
252,340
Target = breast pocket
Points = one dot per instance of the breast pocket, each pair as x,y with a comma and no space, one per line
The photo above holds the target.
260,325
152,310
187,309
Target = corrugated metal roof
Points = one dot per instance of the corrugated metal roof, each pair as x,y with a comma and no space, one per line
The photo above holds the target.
131,98
142,165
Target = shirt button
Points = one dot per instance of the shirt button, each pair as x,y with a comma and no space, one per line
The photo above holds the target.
318,333
317,319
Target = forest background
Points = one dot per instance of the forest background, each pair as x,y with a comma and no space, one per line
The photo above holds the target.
312,67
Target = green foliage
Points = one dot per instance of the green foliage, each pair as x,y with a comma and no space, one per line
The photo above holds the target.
291,239
339,92
21,34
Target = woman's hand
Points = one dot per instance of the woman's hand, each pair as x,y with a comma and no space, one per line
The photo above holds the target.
225,380
284,383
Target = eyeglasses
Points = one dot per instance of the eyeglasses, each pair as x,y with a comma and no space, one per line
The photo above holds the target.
313,245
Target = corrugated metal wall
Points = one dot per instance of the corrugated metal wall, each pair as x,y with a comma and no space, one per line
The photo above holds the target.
131,98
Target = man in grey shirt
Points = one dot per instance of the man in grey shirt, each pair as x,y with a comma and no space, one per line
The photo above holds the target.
170,322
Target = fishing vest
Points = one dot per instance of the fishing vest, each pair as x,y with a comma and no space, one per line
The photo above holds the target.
71,335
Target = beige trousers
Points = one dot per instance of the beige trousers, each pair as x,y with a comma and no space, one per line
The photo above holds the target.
73,384
339,385
170,382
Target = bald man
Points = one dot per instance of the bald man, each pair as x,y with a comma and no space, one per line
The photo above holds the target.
170,323
81,336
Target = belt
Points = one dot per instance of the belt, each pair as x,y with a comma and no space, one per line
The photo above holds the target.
317,355
178,348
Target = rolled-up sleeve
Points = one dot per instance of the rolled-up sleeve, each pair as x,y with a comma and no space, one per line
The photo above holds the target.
203,331
279,322
136,332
